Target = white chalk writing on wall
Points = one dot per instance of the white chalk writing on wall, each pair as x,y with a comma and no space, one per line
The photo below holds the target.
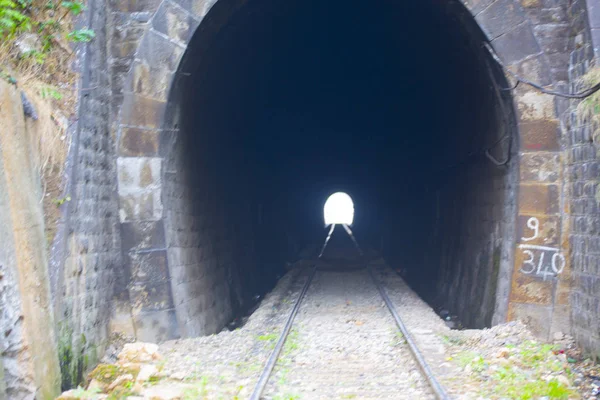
544,261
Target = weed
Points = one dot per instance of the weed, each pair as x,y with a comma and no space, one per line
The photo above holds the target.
452,340
50,92
198,391
75,7
286,397
465,358
268,337
61,201
12,19
588,110
81,35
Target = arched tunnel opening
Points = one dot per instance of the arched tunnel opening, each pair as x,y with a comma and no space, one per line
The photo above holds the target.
276,105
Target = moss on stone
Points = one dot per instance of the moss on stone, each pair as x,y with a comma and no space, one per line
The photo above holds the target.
133,369
105,373
72,357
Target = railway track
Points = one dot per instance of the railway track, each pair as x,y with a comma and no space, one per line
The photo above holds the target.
329,300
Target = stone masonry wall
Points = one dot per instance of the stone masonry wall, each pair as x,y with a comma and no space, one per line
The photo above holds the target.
86,251
583,172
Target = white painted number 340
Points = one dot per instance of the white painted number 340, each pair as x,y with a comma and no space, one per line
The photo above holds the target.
536,261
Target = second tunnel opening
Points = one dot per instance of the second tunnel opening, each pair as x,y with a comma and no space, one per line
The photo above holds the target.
277,105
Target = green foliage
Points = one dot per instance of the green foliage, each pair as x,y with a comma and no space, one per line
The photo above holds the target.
532,353
60,202
286,397
75,7
81,35
50,92
19,16
514,384
36,55
588,110
199,391
12,19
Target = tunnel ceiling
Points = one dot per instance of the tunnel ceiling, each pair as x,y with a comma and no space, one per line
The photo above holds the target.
327,96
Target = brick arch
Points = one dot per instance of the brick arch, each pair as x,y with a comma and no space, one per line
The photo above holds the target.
143,138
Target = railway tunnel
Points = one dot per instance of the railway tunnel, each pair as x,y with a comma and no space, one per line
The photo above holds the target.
396,103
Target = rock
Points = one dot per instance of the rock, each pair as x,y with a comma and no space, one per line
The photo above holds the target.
178,376
68,395
563,380
504,352
558,336
104,374
120,381
502,362
146,372
562,358
28,108
139,352
97,385
577,382
28,43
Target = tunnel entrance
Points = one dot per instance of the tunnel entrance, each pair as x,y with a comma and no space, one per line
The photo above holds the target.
279,104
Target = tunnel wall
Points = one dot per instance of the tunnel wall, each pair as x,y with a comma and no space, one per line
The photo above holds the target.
528,37
474,223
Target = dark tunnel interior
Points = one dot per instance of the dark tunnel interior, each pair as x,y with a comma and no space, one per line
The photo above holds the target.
279,104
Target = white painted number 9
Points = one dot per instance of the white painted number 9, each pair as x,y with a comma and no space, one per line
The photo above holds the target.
534,224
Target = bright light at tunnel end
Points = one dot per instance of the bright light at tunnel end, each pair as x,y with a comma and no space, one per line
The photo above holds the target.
339,209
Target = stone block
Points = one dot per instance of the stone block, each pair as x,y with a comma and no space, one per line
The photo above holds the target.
136,5
563,291
149,267
156,326
552,15
533,105
147,297
539,135
198,8
159,51
142,235
174,22
554,38
124,49
138,142
139,189
539,230
151,81
535,69
500,17
477,6
142,112
544,167
536,317
515,45
538,200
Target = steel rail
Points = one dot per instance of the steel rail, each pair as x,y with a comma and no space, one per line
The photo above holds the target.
438,390
268,369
